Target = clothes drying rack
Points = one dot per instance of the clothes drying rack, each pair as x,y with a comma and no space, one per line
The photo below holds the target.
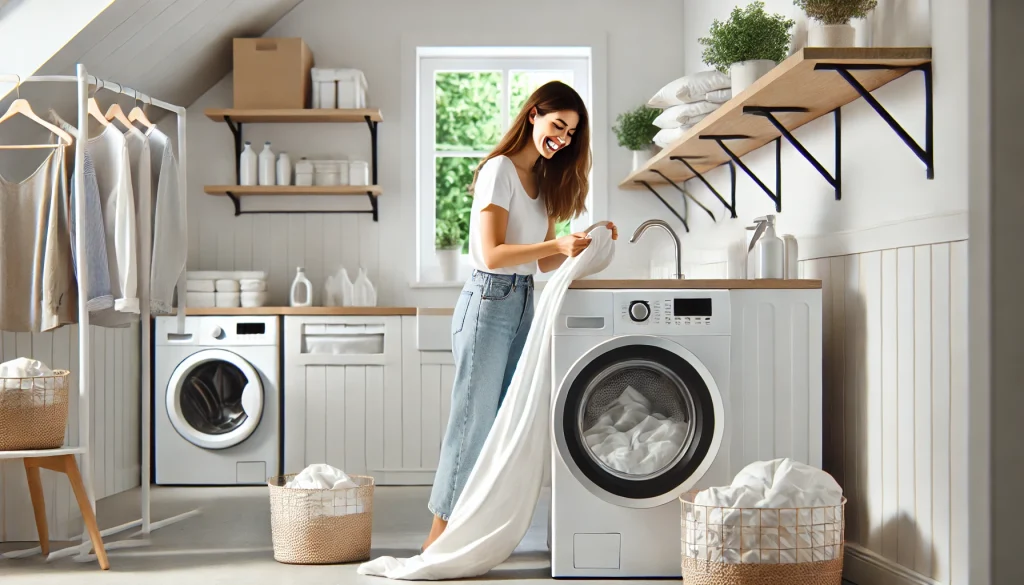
83,448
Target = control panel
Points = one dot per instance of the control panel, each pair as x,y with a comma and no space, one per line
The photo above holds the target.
673,312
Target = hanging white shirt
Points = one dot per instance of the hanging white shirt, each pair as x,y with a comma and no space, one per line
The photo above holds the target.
170,224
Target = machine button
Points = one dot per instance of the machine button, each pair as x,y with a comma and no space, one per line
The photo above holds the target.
639,311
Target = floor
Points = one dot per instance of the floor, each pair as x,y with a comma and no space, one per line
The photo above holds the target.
229,543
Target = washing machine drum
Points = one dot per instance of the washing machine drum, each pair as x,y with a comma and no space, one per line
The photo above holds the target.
215,399
638,420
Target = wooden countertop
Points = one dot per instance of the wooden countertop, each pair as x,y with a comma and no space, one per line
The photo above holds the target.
335,311
686,283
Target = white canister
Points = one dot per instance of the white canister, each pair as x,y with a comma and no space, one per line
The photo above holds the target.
359,173
266,164
304,173
792,259
284,169
745,73
325,88
326,173
247,166
343,172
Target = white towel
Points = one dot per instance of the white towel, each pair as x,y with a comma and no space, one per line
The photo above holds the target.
337,497
201,300
251,300
498,501
200,286
227,300
252,285
630,439
25,368
226,285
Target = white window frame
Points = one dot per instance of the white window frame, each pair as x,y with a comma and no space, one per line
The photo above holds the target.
431,60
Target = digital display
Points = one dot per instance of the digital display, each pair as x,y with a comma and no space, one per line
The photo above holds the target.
691,307
251,328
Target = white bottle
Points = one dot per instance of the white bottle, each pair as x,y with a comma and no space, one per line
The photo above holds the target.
792,268
347,290
247,166
267,165
303,297
284,169
770,252
363,290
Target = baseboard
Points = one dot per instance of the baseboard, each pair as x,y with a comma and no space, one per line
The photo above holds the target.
863,567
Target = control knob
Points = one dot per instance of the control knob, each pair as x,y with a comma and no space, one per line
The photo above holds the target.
639,311
216,332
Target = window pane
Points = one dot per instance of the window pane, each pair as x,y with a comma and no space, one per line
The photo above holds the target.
451,220
468,114
524,83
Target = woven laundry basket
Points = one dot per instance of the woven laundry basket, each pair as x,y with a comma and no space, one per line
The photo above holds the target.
33,412
319,527
762,546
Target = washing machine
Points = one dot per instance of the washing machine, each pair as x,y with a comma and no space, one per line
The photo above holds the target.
656,393
217,401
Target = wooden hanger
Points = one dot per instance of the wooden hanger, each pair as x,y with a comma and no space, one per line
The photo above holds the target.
21,106
139,115
114,112
94,107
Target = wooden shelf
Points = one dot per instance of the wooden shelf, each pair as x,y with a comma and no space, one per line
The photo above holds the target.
241,191
326,311
699,284
338,116
794,83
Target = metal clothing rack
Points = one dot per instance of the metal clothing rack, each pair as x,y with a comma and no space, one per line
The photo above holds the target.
84,448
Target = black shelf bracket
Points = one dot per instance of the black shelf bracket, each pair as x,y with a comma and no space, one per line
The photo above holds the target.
236,131
768,113
373,154
237,202
682,218
731,207
777,195
926,154
686,194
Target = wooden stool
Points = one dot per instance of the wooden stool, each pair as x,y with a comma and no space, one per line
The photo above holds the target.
62,464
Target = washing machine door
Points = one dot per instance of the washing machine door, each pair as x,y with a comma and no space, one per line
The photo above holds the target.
638,420
215,399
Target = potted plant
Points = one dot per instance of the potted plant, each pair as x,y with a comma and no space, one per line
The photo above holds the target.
448,239
748,45
833,18
635,130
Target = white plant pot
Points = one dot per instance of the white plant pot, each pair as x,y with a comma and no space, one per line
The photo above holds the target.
745,73
831,35
448,259
640,157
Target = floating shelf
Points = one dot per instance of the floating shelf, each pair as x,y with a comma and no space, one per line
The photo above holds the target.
336,116
241,191
808,85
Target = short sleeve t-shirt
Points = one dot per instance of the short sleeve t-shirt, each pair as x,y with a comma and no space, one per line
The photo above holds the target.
499,184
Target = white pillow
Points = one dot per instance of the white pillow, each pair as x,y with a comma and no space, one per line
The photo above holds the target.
677,116
665,138
691,88
719,96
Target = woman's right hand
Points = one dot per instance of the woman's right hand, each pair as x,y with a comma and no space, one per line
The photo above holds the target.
573,244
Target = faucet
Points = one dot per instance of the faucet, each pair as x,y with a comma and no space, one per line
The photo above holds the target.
675,240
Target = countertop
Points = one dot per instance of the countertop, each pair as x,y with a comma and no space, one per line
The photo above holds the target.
686,283
336,311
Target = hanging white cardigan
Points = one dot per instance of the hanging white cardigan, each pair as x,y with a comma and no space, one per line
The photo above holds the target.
495,509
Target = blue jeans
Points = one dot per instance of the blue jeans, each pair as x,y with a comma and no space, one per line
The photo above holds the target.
489,327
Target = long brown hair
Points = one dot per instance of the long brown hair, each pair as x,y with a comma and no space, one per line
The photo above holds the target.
563,180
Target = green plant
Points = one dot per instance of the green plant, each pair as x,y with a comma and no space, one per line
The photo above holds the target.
836,11
635,129
749,34
449,231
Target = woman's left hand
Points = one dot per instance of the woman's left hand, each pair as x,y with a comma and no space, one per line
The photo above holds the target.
615,230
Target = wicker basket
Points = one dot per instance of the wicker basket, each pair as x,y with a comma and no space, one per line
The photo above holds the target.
762,546
33,412
319,527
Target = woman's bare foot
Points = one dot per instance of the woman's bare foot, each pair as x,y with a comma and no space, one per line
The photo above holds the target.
436,529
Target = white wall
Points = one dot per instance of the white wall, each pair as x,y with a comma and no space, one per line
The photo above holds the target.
380,38
893,258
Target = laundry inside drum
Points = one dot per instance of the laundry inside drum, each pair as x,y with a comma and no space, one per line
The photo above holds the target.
636,419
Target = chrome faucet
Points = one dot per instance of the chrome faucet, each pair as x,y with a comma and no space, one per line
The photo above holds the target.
675,240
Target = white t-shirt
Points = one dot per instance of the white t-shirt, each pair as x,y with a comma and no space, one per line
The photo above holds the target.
498,184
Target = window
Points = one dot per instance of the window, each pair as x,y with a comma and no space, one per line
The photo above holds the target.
466,100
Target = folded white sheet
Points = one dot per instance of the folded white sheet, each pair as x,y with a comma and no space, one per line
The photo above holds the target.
200,286
630,439
25,368
252,285
226,285
336,497
227,300
201,300
253,299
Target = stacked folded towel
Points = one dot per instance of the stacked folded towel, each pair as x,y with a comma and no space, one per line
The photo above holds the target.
686,101
226,289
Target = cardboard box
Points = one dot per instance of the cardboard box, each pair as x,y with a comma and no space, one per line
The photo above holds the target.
272,73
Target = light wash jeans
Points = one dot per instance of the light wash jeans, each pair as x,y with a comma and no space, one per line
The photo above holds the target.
489,327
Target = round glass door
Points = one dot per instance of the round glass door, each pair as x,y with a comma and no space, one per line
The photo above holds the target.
638,420
215,399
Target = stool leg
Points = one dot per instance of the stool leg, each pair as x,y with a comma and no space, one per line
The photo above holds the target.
35,491
88,517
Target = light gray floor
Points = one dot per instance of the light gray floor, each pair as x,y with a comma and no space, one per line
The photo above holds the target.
230,543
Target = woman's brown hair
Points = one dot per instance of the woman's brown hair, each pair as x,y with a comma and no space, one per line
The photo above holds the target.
563,180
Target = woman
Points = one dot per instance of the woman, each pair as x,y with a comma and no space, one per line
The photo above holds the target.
535,178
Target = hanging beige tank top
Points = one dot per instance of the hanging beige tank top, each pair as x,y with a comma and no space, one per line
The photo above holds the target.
36,282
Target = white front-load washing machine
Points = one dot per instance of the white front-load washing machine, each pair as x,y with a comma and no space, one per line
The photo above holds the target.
217,401
642,411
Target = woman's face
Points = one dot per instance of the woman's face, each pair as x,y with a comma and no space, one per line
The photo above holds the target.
553,131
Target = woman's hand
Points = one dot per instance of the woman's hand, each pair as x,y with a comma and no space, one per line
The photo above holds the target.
572,245
615,230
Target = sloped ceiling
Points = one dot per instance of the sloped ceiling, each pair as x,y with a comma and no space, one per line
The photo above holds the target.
171,49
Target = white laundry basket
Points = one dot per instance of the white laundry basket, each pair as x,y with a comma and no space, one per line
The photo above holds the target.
33,411
762,546
319,527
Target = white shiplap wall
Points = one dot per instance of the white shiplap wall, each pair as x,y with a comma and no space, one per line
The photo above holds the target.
115,428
